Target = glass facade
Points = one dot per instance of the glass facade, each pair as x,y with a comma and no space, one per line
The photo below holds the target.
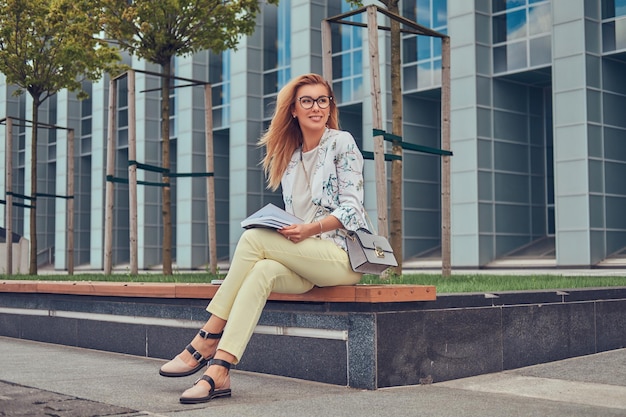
83,168
347,60
276,52
521,34
537,133
219,77
614,25
421,55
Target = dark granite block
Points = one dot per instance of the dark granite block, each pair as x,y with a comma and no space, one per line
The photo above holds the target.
166,342
545,333
10,325
307,358
439,345
611,324
112,337
331,321
49,329
277,318
462,343
402,348
362,361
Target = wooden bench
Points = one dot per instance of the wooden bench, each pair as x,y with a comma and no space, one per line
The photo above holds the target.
151,319
340,294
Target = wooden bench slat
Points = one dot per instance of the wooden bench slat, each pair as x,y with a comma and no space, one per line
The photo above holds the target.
342,293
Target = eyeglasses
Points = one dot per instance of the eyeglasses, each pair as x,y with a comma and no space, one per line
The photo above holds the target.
322,102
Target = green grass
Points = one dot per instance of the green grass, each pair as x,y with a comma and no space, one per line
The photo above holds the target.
456,283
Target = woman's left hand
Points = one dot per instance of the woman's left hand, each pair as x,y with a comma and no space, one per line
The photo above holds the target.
298,232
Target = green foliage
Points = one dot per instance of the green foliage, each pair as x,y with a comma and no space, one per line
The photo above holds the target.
50,45
158,30
479,282
457,283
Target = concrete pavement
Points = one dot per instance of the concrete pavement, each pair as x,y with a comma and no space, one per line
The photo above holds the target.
38,379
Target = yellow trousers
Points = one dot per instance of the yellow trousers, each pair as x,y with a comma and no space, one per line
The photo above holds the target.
264,261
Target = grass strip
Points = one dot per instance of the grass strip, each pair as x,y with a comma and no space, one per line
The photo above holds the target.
457,283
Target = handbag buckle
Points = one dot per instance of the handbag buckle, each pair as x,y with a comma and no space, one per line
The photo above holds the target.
379,252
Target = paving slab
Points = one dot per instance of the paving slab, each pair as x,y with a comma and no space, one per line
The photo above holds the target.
39,379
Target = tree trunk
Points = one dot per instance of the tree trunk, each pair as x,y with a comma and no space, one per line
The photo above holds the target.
32,270
395,215
167,192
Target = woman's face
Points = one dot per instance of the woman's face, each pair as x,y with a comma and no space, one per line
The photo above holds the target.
315,117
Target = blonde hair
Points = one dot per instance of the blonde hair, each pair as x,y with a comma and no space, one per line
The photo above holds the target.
284,136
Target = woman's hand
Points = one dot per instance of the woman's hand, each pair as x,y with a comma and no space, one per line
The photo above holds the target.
298,232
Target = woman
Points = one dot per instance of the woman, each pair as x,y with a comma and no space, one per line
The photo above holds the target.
320,170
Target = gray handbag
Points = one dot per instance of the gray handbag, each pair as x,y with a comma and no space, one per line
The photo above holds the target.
369,253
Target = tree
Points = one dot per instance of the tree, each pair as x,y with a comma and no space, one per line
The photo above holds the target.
159,30
395,213
47,46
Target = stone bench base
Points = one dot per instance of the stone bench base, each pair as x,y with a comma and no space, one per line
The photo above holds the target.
362,344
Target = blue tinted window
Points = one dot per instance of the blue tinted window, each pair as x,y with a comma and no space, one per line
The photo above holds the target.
423,48
614,28
524,26
440,13
423,12
613,8
516,25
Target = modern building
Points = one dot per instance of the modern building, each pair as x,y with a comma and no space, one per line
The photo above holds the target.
538,134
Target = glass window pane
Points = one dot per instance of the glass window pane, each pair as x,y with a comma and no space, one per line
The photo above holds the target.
423,12
408,10
357,86
424,75
85,127
540,51
436,43
270,82
85,146
516,25
498,5
510,4
423,48
608,37
357,62
437,72
122,118
409,78
620,34
516,56
613,8
539,19
440,13
499,29
337,91
620,8
338,71
499,59
409,49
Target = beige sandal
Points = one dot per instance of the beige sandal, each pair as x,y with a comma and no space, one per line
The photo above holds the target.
188,396
178,367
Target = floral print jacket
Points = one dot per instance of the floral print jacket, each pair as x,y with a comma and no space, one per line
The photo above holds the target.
336,183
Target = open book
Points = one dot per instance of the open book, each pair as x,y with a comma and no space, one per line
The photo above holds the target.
270,216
